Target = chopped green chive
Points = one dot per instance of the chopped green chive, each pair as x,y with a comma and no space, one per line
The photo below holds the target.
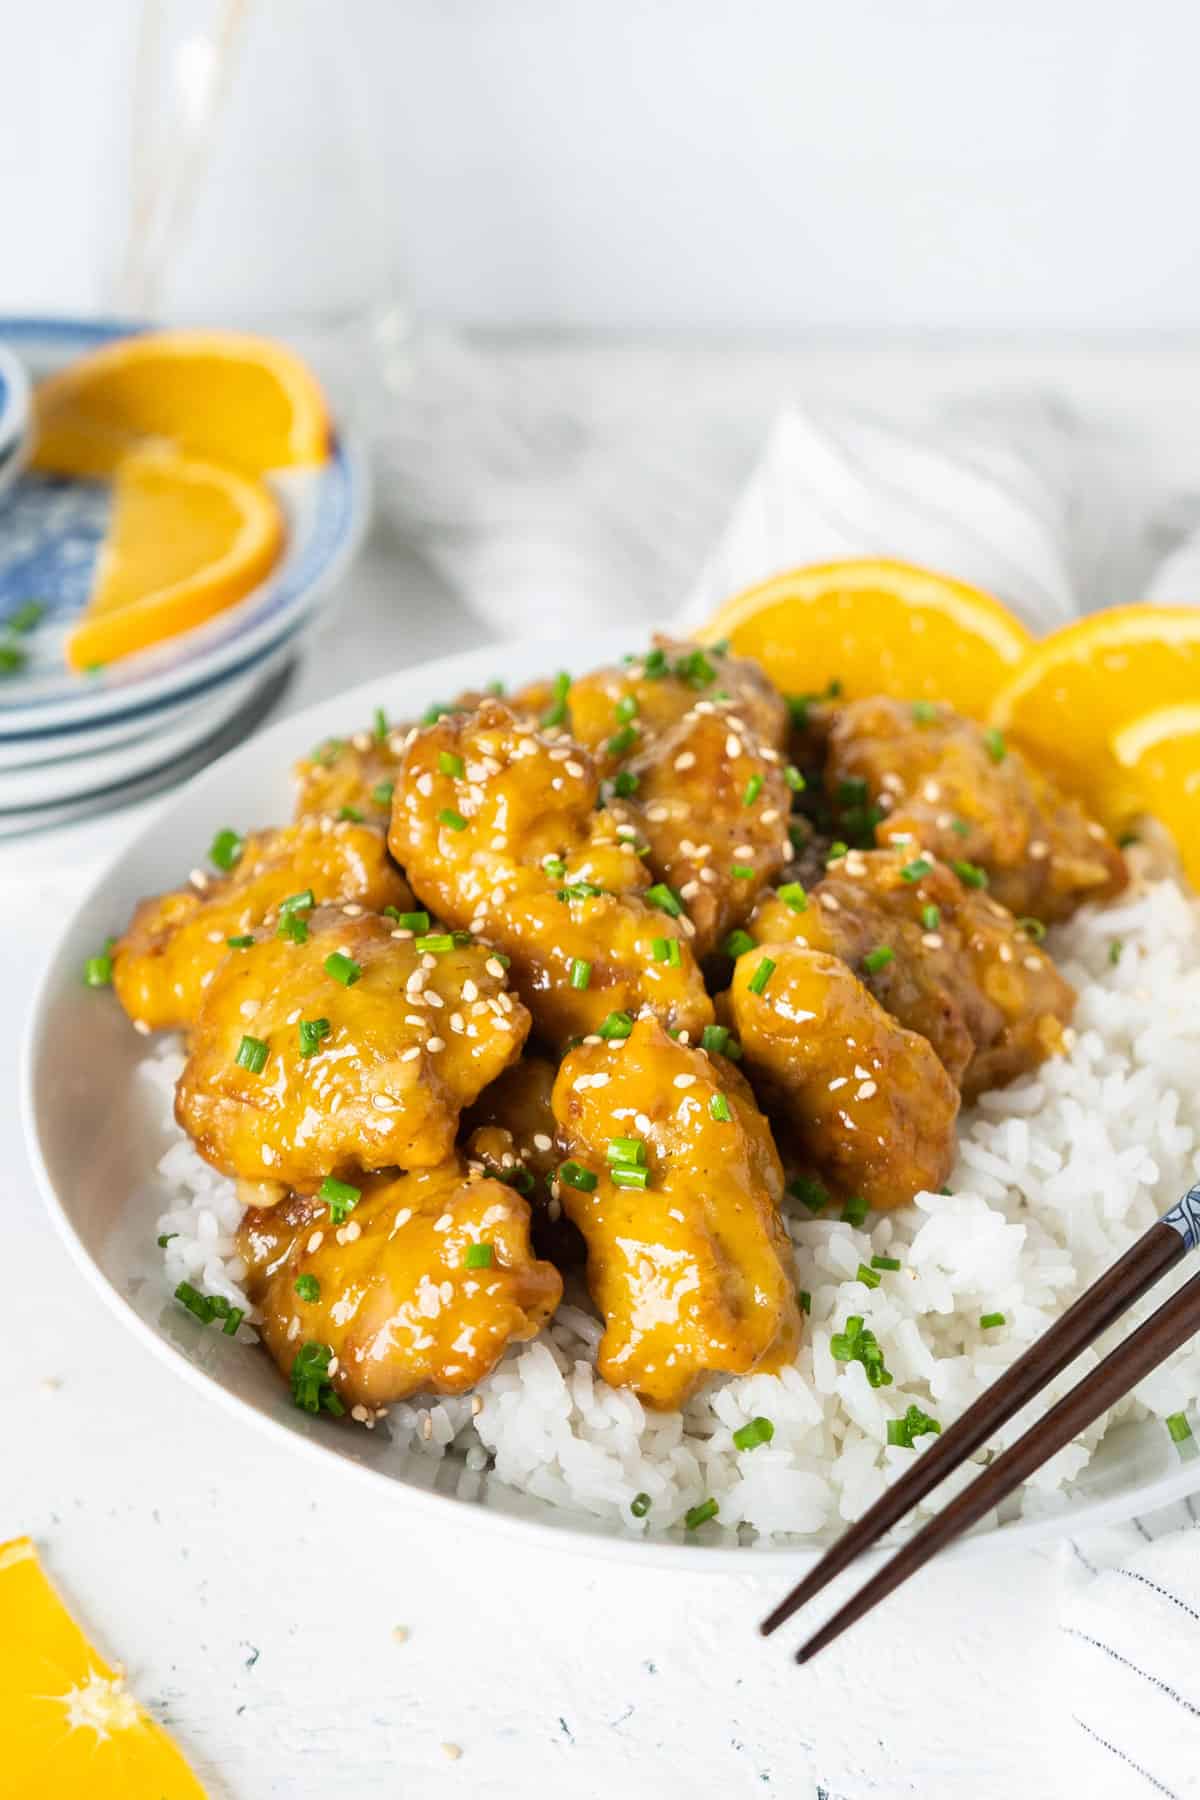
997,749
27,616
240,943
13,658
960,827
349,815
580,890
1126,838
311,1033
629,1151
869,1277
408,921
556,712
449,764
1114,951
617,1025
97,970
914,870
625,784
763,972
198,1304
252,1054
695,669
654,665
434,943
165,1239
226,849
805,1301
626,709
1033,929
381,724
931,917
718,1107
581,972
914,1424
308,1287
852,790
433,713
737,944
858,1344
292,927
341,1197
639,1506
576,1176
666,950
312,1390
741,871
714,1038
623,1177
382,793
298,902
554,866
479,1256
878,959
696,1516
854,1211
885,1262
749,1437
794,779
453,821
970,874
1178,1427
327,753
836,852
343,969
808,1192
665,898
989,1321
622,741
753,789
794,896
924,712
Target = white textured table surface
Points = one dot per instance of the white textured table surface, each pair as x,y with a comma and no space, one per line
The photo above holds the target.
253,1597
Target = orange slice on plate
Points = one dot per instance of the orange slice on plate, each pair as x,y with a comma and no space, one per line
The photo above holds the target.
1084,684
876,627
187,539
220,394
68,1723
1159,756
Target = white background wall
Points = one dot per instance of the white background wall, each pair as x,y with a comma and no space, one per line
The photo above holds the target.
723,164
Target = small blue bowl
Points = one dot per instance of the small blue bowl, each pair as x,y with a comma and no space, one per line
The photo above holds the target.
15,418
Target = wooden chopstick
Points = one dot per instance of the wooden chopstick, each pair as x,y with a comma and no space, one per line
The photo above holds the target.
1119,1288
1174,1322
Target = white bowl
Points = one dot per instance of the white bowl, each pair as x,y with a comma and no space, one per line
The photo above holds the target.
94,1153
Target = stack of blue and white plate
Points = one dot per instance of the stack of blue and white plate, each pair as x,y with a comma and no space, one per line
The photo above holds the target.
76,745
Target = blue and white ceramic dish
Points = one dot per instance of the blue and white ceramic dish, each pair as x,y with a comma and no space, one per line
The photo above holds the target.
14,416
50,534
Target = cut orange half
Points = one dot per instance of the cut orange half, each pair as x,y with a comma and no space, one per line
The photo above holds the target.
1159,755
1082,685
187,539
877,628
68,1724
221,394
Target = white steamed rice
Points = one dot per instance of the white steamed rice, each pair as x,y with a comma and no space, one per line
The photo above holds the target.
1057,1175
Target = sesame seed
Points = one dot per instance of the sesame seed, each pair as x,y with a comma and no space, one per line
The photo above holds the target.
1005,953
840,1082
268,1155
733,744
452,1751
743,850
542,1141
434,1044
495,967
402,934
1039,850
198,879
359,1413
427,1433
141,1027
866,1091
685,760
411,1055
829,903
658,812
685,1081
352,911
706,874
575,769
1032,962
469,990
314,1243
932,940
425,784
770,815
689,890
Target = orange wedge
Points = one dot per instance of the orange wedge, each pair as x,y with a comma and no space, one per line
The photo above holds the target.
187,539
878,628
68,1724
219,394
1082,685
1159,755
